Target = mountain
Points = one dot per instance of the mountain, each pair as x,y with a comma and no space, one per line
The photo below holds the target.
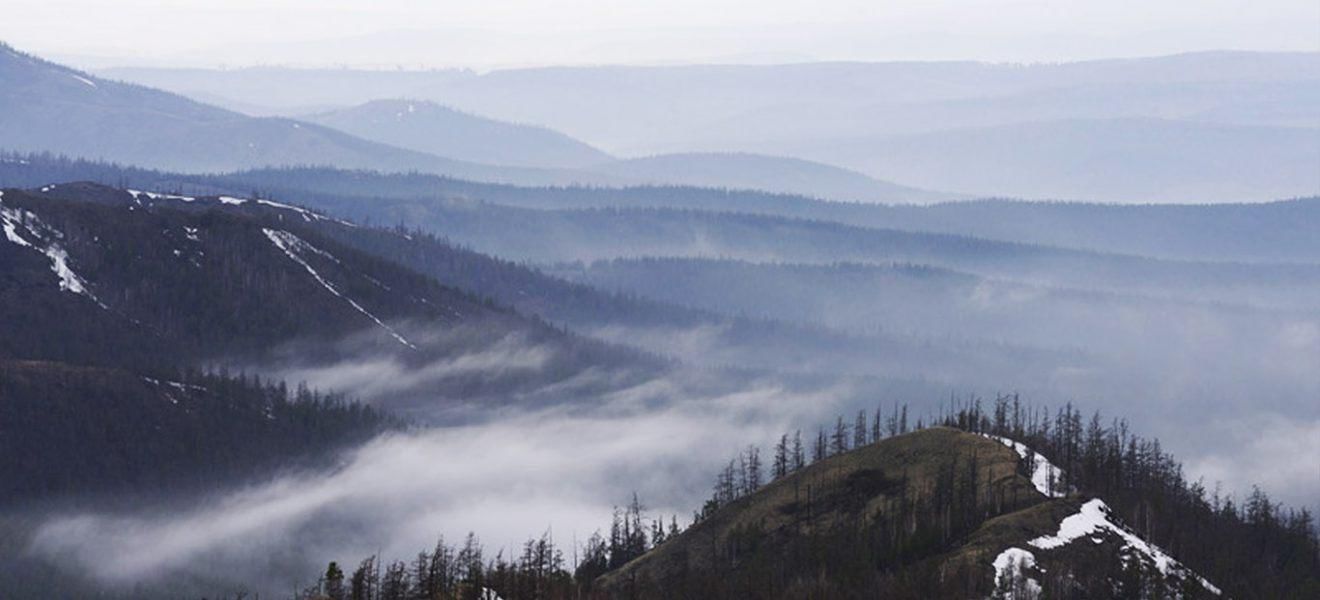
48,107
935,513
443,131
1110,160
140,280
654,109
1198,127
747,343
774,174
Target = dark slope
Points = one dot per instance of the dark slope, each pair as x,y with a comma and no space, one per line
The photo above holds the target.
443,131
205,283
174,281
73,430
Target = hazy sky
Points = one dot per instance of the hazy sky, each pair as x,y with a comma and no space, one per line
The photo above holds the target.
486,33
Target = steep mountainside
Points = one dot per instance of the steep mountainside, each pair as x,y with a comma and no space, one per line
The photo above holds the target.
443,131
935,513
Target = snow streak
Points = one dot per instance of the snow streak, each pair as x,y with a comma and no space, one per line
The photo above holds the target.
1044,475
292,245
10,221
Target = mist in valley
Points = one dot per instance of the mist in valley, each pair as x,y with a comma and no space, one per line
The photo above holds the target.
343,298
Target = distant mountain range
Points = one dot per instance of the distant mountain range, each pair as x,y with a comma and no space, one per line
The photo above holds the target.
767,173
48,107
1133,160
1201,127
442,131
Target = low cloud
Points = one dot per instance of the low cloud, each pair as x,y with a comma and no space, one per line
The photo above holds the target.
560,469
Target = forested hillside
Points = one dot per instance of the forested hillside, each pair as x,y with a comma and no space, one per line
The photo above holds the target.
93,430
868,507
1262,232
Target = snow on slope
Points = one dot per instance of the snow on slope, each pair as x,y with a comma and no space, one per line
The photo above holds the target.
1044,475
1094,518
44,240
307,215
292,245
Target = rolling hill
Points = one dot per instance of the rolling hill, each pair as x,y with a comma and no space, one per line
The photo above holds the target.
1108,160
775,174
443,131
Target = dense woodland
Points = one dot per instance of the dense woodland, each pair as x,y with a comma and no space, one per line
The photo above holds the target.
80,430
131,327
1252,547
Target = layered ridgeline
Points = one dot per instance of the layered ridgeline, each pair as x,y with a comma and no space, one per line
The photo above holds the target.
873,509
1199,127
49,107
1260,232
138,301
443,131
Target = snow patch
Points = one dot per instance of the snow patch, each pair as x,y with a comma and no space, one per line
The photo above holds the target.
1094,518
292,245
10,221
1046,477
230,200
84,80
1009,566
156,196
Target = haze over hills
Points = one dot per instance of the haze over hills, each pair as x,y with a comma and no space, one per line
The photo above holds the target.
443,131
1276,231
56,109
241,351
767,173
1216,120
47,107
1110,160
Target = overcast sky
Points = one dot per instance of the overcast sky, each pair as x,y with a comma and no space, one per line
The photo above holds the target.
491,33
